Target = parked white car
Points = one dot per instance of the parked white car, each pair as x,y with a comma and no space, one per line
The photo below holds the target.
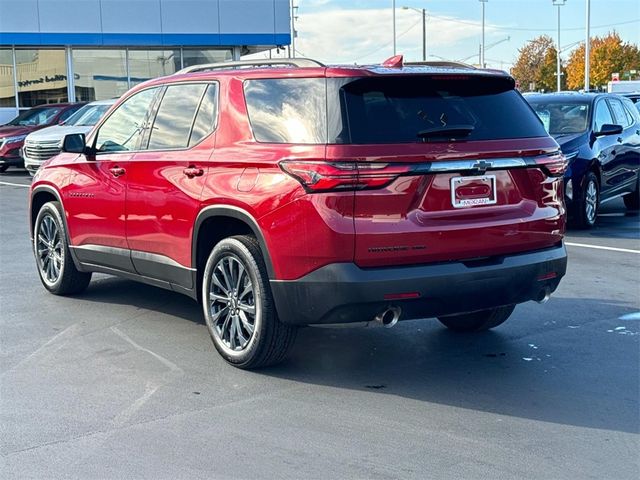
43,144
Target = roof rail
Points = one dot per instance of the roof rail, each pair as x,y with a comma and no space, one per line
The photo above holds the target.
444,64
291,62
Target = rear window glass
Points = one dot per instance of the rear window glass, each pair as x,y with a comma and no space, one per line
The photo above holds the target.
287,110
416,109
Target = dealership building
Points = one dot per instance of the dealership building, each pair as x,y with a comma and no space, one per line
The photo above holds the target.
81,50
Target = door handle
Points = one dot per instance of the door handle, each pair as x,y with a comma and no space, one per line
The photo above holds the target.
193,172
619,139
117,171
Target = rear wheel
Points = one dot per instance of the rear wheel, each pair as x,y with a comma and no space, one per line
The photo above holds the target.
57,271
586,211
632,200
478,321
238,306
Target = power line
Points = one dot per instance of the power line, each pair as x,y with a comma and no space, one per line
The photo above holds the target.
389,43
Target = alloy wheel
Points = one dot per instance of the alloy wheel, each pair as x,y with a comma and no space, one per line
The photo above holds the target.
232,303
49,249
591,202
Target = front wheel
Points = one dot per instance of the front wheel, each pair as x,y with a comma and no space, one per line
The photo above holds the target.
586,209
57,271
239,308
478,321
3,168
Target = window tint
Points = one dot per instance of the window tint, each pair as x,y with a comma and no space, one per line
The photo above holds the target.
206,117
562,117
172,125
124,128
602,116
632,110
67,113
407,109
618,111
290,110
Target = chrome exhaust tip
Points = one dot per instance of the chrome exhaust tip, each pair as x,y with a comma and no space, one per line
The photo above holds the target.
389,317
544,295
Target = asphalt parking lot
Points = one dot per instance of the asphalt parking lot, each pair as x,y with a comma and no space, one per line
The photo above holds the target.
123,382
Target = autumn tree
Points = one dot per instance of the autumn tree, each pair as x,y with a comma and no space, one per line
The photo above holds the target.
608,54
535,68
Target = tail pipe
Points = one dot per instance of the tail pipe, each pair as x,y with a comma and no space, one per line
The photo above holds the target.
544,295
389,317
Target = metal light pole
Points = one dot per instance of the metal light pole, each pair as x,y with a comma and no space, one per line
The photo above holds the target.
393,7
587,48
423,12
558,3
482,62
293,29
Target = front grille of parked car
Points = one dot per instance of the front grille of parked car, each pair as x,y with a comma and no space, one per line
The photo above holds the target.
41,151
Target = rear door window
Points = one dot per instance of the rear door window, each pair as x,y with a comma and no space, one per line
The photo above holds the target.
206,117
172,126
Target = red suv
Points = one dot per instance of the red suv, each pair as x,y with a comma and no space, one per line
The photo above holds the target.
291,193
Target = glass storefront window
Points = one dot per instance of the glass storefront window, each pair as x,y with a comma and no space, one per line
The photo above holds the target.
99,74
195,56
42,76
7,88
147,64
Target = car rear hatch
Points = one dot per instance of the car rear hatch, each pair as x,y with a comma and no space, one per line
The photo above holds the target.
449,167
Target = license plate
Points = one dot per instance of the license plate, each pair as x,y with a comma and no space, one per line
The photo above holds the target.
472,191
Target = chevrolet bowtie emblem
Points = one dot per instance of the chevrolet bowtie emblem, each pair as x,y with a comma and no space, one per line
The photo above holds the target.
481,166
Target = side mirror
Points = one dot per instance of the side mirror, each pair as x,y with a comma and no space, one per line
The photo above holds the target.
74,143
609,129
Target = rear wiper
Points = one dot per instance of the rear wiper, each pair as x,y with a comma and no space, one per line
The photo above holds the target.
447,131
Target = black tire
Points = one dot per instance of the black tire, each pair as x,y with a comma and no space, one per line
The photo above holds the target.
586,208
632,200
55,266
478,321
3,168
228,315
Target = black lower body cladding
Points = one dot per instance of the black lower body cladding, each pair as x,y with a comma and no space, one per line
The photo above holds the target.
345,293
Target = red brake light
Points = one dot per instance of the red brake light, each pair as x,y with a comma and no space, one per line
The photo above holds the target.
554,164
318,176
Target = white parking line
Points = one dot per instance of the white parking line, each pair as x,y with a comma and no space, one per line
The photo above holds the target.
600,247
14,184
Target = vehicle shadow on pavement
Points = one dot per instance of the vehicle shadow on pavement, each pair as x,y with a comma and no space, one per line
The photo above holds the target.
543,364
545,367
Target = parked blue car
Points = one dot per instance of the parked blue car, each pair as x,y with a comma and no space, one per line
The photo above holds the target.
600,135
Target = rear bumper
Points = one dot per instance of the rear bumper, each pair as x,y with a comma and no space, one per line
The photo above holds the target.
344,293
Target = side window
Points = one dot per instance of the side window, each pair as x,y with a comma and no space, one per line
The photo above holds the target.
602,116
618,111
175,117
207,115
124,128
630,110
66,114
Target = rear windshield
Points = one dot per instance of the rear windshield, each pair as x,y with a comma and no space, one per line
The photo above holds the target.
393,109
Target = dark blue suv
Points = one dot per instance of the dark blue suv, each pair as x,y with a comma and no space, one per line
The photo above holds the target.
600,135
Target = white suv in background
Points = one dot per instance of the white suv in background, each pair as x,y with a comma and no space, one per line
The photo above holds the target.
43,144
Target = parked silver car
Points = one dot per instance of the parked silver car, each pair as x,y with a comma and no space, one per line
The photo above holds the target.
43,144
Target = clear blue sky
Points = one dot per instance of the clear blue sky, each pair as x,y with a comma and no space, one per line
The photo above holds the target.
360,31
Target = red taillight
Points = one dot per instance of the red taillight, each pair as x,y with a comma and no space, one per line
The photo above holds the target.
318,176
554,164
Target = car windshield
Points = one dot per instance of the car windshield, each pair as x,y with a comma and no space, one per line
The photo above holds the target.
35,117
562,118
87,116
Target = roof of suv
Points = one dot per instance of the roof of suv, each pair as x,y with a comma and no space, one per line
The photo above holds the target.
302,67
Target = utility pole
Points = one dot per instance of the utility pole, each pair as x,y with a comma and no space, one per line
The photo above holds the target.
293,30
558,3
587,48
393,7
424,35
482,61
